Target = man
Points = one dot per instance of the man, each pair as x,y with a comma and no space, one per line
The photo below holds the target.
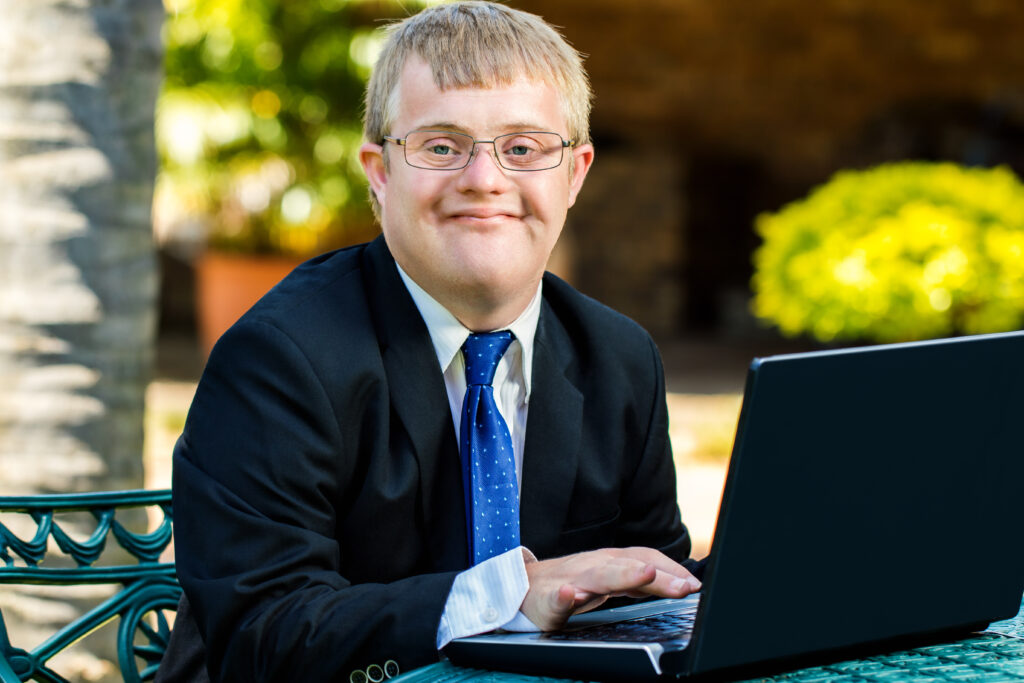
335,500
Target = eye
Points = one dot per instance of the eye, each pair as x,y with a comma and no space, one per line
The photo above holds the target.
439,146
521,146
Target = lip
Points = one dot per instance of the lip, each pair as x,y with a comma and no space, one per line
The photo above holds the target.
483,214
483,218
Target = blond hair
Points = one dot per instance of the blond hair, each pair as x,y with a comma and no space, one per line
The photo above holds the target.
478,44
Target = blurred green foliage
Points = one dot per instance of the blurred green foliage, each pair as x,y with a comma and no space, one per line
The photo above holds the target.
899,252
258,125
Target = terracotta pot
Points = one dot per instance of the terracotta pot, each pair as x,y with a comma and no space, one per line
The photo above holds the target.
227,285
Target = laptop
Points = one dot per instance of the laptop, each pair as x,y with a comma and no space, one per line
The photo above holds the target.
871,504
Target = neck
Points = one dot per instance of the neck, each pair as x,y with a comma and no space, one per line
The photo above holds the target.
480,307
484,314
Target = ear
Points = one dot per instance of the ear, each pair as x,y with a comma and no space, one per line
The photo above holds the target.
371,156
583,157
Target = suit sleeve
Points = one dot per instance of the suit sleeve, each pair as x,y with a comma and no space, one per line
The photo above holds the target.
650,513
261,474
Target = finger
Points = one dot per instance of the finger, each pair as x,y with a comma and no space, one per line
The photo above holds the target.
673,580
548,608
660,561
563,600
618,576
594,602
670,586
559,609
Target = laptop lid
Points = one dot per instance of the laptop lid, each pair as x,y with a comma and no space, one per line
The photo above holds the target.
871,495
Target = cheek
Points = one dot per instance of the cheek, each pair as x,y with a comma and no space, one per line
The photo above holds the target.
419,198
550,202
400,208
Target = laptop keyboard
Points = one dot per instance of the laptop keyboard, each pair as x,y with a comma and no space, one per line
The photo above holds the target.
656,628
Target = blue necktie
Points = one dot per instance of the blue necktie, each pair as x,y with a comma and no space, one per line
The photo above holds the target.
485,446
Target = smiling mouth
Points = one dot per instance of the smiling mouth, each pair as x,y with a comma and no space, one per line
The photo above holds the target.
483,216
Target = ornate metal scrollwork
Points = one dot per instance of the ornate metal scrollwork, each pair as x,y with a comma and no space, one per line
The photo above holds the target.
149,586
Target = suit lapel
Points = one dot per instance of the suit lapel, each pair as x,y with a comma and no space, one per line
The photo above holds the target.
553,433
419,401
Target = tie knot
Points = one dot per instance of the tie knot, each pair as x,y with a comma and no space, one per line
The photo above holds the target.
482,353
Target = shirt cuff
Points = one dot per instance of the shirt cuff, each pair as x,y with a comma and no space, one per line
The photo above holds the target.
486,597
520,624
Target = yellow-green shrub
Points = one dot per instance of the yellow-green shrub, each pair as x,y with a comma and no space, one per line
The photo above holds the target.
902,251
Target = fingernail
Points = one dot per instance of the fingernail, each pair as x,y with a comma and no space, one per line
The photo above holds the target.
679,585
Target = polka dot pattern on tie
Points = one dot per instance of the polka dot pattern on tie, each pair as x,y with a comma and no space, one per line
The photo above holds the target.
486,450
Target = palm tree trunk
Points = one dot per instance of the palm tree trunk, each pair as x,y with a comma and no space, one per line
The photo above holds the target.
78,84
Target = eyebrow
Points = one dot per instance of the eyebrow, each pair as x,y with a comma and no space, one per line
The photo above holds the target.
514,127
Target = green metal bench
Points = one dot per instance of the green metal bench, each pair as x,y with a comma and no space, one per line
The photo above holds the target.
149,587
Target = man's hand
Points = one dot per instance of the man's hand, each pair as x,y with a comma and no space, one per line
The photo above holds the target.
572,584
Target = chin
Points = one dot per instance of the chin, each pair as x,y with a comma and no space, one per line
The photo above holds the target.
500,283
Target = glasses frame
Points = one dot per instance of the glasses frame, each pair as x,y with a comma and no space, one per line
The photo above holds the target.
401,142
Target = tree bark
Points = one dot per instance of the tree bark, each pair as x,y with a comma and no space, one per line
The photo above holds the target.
78,83
78,280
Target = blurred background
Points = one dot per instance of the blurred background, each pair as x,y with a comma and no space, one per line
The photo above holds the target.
770,176
713,124
707,114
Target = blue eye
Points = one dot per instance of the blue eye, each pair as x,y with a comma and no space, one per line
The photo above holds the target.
440,150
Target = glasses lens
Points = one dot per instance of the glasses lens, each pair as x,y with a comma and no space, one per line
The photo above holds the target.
438,149
529,151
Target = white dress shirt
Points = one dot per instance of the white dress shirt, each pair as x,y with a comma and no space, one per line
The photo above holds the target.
488,595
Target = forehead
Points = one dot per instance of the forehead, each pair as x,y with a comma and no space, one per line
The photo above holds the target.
522,104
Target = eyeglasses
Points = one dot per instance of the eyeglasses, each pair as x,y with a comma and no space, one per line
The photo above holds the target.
443,150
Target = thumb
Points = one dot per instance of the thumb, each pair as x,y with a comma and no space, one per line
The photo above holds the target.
563,600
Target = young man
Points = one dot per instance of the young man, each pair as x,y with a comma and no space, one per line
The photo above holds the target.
340,501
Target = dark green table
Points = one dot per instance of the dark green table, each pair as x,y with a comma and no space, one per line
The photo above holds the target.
995,656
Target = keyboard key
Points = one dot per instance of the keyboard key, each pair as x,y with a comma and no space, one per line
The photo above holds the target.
652,629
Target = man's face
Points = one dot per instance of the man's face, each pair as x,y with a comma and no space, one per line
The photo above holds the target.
478,238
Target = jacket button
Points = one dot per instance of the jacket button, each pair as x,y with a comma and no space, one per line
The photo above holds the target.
357,676
375,673
391,668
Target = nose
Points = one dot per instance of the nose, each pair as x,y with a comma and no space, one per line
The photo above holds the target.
483,173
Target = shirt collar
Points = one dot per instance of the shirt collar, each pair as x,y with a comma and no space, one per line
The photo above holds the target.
448,334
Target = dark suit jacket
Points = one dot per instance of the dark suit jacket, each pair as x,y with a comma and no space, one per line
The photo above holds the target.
318,502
